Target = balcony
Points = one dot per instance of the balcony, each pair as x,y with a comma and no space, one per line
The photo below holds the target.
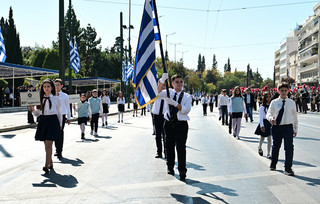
309,32
309,56
309,67
307,44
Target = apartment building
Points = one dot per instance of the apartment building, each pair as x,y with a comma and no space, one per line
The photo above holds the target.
277,67
308,50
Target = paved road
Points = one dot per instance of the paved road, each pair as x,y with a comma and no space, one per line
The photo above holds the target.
119,166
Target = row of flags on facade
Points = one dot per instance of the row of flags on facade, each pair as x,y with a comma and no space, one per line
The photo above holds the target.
3,54
127,70
74,56
145,72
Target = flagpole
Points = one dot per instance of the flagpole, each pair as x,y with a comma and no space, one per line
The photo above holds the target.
70,30
161,47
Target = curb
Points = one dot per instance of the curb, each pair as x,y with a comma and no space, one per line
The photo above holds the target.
21,127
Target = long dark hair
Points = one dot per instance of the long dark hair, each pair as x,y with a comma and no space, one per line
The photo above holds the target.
264,101
53,90
234,92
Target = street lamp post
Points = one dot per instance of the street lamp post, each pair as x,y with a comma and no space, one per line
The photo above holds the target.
175,50
167,40
182,52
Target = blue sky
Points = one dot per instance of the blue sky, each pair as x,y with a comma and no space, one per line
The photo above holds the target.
246,36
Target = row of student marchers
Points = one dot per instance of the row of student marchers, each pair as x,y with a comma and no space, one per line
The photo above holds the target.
277,118
54,111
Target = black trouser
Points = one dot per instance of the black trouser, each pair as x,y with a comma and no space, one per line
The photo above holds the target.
298,105
30,117
318,106
94,121
304,107
158,126
143,111
176,136
59,142
204,108
224,114
284,132
197,102
211,107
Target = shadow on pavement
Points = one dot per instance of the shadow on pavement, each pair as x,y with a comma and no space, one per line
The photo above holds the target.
192,148
88,140
206,189
76,162
299,163
195,166
4,152
111,127
9,136
310,181
307,138
188,199
54,179
103,137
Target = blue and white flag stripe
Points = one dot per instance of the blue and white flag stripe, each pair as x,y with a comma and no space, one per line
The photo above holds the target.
145,73
76,51
3,55
74,64
156,30
129,71
124,71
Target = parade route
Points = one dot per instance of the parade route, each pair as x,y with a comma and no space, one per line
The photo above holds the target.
119,166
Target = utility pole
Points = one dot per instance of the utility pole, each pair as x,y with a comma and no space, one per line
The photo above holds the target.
70,30
175,50
61,41
121,49
130,57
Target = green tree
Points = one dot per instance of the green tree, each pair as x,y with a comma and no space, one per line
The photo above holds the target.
203,64
11,39
199,67
257,79
214,62
117,45
88,46
228,65
38,56
268,82
51,60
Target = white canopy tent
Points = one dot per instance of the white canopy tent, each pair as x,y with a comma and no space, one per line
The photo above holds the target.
13,71
94,81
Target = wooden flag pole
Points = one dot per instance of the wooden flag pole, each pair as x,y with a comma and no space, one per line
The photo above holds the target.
161,47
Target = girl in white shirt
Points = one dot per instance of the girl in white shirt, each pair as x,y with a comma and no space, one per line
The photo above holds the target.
105,105
50,123
264,127
120,103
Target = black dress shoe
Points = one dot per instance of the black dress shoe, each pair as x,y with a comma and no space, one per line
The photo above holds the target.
55,154
171,172
59,156
46,170
158,156
183,176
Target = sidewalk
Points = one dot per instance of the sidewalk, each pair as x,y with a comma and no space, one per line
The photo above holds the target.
18,120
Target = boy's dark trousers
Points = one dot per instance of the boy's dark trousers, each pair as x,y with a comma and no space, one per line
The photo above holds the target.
176,136
158,126
94,121
204,108
211,107
224,114
59,142
284,132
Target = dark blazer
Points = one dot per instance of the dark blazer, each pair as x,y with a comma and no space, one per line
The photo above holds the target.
251,99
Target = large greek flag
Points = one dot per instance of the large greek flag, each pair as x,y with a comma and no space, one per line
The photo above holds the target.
145,72
155,24
74,57
3,54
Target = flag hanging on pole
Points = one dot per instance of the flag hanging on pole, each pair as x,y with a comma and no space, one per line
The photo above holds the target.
73,58
124,71
76,51
3,55
145,72
129,71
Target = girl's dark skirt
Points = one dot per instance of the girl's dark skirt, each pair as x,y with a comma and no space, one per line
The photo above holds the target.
267,127
105,108
121,107
48,128
82,120
237,115
135,106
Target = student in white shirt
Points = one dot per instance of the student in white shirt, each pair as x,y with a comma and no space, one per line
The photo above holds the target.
105,105
204,102
50,123
264,127
120,103
223,106
176,126
65,107
282,114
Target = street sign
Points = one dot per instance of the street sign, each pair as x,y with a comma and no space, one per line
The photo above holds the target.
30,98
74,98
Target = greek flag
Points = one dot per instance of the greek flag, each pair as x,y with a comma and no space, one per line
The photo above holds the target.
145,72
124,71
76,51
74,57
156,30
3,54
129,71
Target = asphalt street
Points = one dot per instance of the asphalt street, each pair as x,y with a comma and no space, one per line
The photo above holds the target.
119,166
